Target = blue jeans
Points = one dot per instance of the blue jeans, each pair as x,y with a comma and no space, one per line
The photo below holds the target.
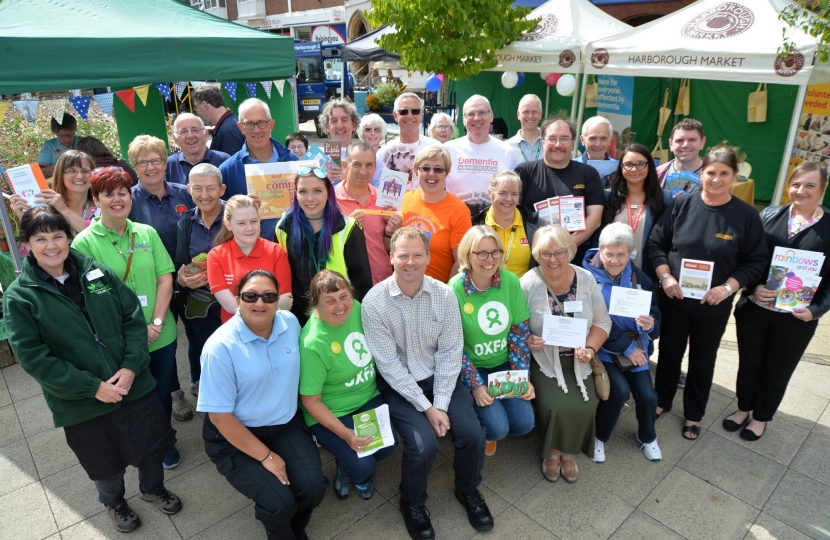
624,383
512,416
163,368
198,331
360,470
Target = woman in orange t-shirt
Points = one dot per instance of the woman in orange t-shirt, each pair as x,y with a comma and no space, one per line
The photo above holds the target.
441,215
239,249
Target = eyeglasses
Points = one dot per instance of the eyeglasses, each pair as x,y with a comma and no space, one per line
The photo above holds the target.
191,131
483,255
436,170
145,162
198,190
295,147
76,172
560,140
251,297
375,129
630,165
442,128
559,254
477,114
306,170
249,126
405,112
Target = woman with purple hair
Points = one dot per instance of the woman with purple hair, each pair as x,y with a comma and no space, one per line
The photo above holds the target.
317,235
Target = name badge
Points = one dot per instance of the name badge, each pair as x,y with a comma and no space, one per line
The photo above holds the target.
142,299
634,255
94,274
573,307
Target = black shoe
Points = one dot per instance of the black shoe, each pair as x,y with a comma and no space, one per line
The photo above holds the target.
417,521
681,382
477,512
732,426
749,435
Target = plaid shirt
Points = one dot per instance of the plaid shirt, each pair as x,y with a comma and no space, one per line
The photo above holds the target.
415,338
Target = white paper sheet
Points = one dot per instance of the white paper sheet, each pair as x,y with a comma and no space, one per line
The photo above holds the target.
625,302
382,432
565,331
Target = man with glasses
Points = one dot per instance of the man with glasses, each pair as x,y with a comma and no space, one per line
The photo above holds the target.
477,156
256,123
209,105
528,141
556,175
399,153
190,135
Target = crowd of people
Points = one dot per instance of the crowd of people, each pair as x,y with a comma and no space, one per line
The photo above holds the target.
296,325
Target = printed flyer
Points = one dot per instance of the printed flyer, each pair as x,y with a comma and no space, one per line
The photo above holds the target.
507,384
315,154
374,422
392,188
27,181
695,277
683,183
794,274
274,184
567,212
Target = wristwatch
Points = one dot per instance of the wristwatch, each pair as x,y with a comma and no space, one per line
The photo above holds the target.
728,288
157,322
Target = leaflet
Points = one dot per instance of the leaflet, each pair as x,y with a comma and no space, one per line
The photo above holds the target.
274,184
374,422
625,302
695,277
392,188
27,181
565,331
315,154
507,384
334,150
683,182
572,213
605,167
794,274
548,210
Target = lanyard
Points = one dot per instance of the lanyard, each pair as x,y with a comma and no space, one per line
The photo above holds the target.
636,222
538,151
510,243
129,259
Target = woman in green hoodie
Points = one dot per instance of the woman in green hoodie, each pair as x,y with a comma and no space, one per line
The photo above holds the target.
80,332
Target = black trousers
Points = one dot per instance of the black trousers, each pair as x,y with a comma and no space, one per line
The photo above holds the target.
770,345
702,328
284,510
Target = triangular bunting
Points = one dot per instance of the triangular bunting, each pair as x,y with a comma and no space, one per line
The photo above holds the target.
28,108
141,92
127,97
180,88
279,85
81,104
105,102
230,88
56,108
164,88
197,84
267,86
4,107
251,87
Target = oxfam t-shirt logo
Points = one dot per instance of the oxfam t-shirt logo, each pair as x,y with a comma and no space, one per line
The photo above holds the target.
356,349
492,318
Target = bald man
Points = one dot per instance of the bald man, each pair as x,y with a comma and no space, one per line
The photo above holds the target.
190,135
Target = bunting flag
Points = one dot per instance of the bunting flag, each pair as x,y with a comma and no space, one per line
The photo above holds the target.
230,88
164,88
105,102
251,86
197,84
56,108
4,107
128,98
267,86
28,108
141,92
180,87
81,104
279,85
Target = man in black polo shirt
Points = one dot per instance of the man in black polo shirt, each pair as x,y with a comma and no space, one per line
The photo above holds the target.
556,175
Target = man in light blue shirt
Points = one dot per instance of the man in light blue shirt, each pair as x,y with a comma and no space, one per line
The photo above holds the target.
528,140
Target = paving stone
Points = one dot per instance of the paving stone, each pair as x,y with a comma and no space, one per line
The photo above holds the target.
769,528
16,467
5,395
668,427
240,525
514,524
154,525
780,442
190,445
50,452
34,415
25,514
10,430
501,474
801,503
813,459
21,384
384,523
812,378
822,426
640,525
801,407
697,509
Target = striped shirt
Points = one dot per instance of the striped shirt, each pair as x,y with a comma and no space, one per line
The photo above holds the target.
413,339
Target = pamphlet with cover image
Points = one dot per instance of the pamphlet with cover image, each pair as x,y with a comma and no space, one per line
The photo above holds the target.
695,277
794,274
507,384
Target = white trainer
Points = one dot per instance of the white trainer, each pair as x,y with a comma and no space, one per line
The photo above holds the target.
651,450
599,451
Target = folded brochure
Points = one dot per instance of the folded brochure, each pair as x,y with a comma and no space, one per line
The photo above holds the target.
567,212
794,274
374,422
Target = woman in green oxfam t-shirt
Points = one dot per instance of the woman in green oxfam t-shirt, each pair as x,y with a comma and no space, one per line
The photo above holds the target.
337,380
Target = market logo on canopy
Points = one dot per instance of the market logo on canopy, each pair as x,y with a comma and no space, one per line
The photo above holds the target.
600,58
546,27
790,64
567,58
720,22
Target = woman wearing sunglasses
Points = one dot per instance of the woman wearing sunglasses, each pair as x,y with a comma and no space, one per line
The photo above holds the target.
240,249
636,198
317,235
254,432
441,215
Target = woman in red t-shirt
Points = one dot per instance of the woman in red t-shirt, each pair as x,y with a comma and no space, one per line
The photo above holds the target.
239,249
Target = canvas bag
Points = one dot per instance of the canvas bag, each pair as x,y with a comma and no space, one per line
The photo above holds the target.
591,91
756,110
683,106
665,113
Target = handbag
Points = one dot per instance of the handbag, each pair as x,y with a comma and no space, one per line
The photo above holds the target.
664,114
756,109
591,92
683,106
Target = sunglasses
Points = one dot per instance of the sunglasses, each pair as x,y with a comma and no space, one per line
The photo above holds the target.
306,170
404,112
251,297
436,170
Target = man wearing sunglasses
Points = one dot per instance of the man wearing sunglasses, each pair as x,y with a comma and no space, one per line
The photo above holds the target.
190,135
477,156
256,123
399,153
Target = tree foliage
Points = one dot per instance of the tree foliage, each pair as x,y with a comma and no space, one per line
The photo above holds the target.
813,17
458,38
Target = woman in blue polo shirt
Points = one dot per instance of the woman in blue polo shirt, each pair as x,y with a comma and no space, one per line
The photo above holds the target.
254,432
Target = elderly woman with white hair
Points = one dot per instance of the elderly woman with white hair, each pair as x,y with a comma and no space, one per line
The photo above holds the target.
630,343
566,400
372,130
441,128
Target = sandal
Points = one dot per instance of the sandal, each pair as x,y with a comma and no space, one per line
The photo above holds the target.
691,430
